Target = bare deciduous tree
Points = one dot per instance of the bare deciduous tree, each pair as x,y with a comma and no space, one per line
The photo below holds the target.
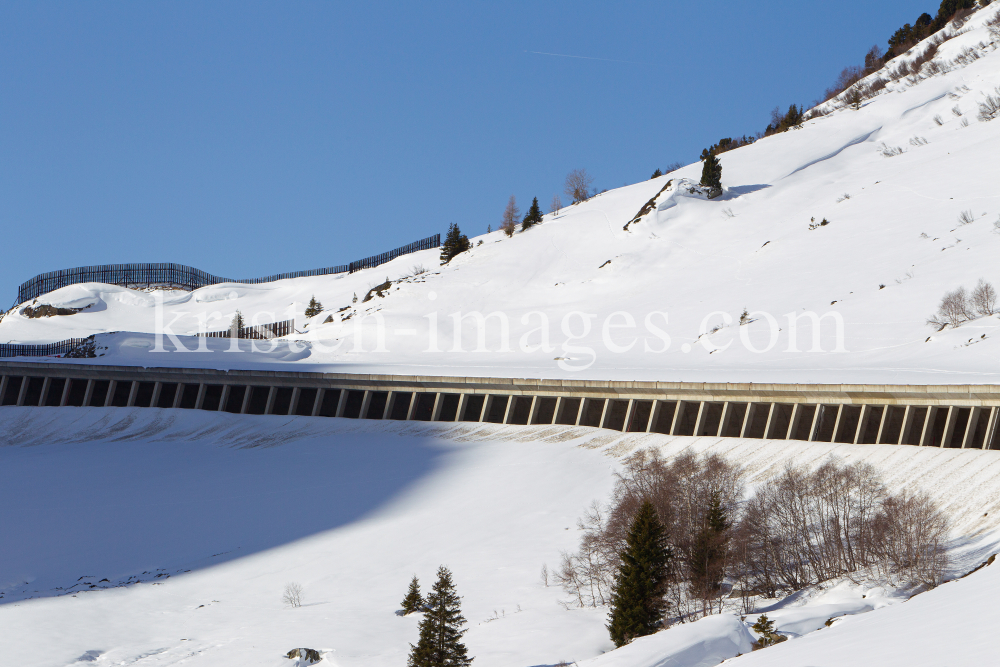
292,595
578,184
984,298
955,310
556,205
510,215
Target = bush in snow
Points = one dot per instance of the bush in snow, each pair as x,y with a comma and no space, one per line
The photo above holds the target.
990,108
292,596
455,243
533,216
711,173
958,307
578,184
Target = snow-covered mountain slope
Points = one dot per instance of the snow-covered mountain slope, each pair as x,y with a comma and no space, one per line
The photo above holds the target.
888,254
161,537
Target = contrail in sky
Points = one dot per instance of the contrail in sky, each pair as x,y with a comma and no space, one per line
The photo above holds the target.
564,55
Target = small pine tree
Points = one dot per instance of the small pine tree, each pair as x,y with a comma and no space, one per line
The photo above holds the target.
711,173
440,642
637,595
533,216
237,325
455,242
854,99
413,601
314,308
489,229
765,628
708,557
656,174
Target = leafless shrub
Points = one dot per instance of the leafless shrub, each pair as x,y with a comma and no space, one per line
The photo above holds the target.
578,184
292,596
843,197
932,67
965,217
956,110
967,56
984,298
510,215
673,166
545,575
890,151
993,25
938,119
964,122
954,310
901,72
798,528
990,107
556,205
918,141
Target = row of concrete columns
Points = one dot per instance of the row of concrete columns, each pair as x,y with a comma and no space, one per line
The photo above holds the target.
944,426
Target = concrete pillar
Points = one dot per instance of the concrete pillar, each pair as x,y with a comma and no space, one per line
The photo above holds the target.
460,413
533,410
793,421
365,402
3,386
990,426
862,422
199,400
904,428
482,409
247,393
747,418
654,414
678,408
87,394
294,403
224,398
342,403
317,402
132,392
555,413
814,422
579,411
388,404
112,386
507,410
699,418
727,415
604,413
881,424
46,383
928,424
836,423
65,392
178,395
271,394
767,424
414,399
949,426
628,415
24,390
157,388
436,409
970,427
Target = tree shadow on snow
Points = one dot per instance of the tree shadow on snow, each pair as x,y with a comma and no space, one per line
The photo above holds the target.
102,497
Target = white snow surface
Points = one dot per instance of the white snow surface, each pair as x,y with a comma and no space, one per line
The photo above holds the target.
164,537
889,254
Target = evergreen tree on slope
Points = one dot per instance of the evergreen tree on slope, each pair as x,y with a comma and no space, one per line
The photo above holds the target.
708,557
314,308
637,596
440,643
711,173
454,243
533,216
413,601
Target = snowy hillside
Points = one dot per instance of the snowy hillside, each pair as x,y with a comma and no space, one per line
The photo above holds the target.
134,498
889,253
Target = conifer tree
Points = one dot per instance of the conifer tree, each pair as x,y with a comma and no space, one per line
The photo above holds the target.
637,595
237,325
454,243
413,601
708,556
533,216
440,642
711,173
656,174
314,308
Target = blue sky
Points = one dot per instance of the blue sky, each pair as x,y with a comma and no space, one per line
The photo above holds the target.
250,138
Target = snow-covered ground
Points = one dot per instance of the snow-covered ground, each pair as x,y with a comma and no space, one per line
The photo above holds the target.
156,537
882,263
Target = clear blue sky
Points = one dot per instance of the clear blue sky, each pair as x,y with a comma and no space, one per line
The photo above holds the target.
249,138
